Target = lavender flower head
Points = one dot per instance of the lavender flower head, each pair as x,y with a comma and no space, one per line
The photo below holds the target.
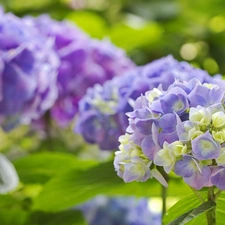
181,129
114,211
101,119
83,63
28,69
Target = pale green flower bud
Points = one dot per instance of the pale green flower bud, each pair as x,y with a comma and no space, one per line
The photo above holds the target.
218,119
151,95
124,139
200,116
196,134
221,159
209,85
219,136
178,148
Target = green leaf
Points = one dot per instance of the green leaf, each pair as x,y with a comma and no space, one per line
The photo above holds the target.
130,38
73,187
40,167
7,201
12,217
89,22
183,206
220,211
192,214
191,201
70,217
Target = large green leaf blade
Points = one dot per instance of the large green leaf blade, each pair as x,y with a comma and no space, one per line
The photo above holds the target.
220,211
186,204
40,167
193,214
191,201
74,187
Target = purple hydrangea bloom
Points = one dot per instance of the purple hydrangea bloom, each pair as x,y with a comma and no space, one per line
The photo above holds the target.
194,174
105,107
119,210
218,177
184,133
83,63
204,147
28,70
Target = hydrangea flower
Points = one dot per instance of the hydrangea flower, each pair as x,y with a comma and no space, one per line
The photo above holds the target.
28,70
8,176
83,63
101,119
103,210
182,130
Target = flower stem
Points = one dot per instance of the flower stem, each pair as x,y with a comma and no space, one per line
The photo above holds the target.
198,195
164,195
217,194
211,214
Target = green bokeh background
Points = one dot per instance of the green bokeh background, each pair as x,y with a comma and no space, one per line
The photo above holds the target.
58,171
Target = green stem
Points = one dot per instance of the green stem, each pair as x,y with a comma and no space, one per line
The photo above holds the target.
198,195
163,191
217,194
211,214
164,194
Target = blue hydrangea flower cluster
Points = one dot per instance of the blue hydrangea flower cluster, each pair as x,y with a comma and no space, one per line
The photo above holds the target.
83,62
181,129
102,118
28,72
120,210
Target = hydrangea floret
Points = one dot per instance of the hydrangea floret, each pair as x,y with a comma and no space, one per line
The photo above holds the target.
101,118
180,129
28,71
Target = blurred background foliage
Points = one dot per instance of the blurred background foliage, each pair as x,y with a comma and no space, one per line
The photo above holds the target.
59,171
147,29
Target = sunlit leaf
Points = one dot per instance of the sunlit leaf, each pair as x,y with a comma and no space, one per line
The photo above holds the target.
130,38
192,214
190,202
89,22
74,187
38,168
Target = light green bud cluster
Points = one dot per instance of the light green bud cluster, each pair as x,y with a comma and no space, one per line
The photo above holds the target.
151,95
167,156
106,106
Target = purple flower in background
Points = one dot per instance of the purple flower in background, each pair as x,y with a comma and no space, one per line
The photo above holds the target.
109,103
28,69
83,63
103,210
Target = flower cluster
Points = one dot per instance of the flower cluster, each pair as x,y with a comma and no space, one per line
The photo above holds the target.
102,119
121,210
181,129
28,71
83,63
